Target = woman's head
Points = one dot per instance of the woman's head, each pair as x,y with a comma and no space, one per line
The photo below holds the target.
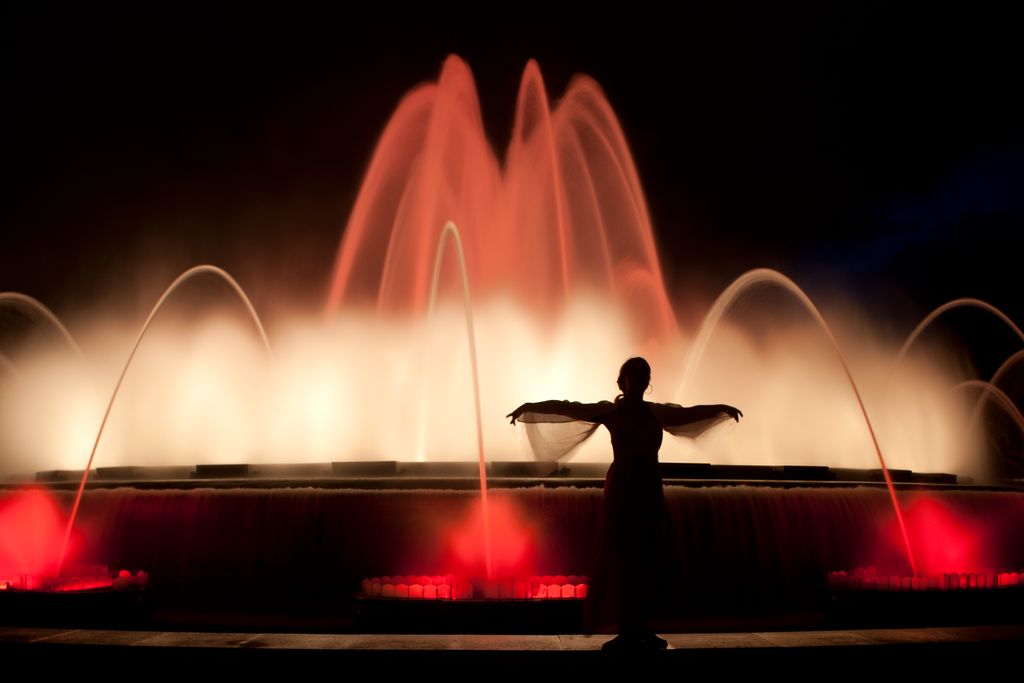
634,377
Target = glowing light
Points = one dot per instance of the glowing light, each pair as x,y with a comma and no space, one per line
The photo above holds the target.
461,588
31,533
945,542
512,544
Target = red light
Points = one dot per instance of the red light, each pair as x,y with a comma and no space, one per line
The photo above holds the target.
31,533
943,541
512,544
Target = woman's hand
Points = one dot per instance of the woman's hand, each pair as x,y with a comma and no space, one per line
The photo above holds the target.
516,413
734,413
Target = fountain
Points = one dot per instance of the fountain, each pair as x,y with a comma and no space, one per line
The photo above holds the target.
462,287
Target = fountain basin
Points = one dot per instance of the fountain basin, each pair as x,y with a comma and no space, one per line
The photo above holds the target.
303,546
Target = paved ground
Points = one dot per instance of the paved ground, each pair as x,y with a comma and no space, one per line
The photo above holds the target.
804,652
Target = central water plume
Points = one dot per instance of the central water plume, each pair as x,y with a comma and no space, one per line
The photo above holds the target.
564,216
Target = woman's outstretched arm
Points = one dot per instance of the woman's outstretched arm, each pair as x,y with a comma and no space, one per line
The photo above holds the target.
672,415
693,421
560,411
555,428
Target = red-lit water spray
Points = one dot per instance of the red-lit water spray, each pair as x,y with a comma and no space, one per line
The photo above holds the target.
564,214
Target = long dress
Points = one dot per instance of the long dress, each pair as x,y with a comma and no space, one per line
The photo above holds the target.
634,565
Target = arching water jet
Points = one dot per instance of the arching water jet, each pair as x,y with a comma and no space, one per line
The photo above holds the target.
23,300
722,305
180,280
450,234
966,302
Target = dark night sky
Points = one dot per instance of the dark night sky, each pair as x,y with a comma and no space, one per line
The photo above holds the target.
861,151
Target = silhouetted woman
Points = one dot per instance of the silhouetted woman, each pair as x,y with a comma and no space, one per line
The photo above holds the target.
635,522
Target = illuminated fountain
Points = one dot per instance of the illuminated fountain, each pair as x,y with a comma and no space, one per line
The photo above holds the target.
430,334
